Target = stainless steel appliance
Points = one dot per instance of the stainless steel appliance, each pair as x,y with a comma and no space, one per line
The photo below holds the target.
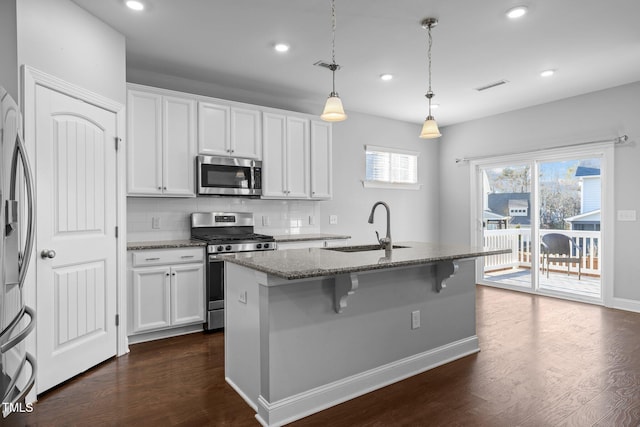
225,233
17,320
228,176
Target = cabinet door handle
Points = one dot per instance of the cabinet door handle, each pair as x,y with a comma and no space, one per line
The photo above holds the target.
167,274
173,274
164,188
186,256
151,259
159,188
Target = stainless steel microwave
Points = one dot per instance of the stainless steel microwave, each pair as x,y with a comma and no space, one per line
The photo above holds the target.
228,176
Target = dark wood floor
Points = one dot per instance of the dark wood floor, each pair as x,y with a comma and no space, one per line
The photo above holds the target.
544,362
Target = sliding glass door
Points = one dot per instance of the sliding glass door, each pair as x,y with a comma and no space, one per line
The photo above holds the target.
548,211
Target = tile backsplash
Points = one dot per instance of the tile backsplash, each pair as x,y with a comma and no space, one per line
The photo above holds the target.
172,215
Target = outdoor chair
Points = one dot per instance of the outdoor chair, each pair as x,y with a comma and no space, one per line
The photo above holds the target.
558,247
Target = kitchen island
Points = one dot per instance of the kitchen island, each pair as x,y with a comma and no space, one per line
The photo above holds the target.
307,329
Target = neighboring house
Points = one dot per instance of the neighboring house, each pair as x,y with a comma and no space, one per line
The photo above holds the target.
516,206
590,196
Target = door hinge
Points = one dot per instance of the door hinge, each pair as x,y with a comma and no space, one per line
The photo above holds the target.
118,140
117,320
116,232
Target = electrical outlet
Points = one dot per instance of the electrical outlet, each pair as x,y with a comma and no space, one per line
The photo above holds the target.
312,220
415,319
333,219
243,297
626,215
155,222
265,221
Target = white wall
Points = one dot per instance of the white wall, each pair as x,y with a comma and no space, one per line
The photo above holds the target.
414,214
62,39
599,115
8,48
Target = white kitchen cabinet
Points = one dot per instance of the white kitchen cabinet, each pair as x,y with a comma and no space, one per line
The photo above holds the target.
321,173
187,298
166,289
161,138
225,130
285,167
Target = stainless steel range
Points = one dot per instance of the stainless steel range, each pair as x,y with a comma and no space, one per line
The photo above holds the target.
225,233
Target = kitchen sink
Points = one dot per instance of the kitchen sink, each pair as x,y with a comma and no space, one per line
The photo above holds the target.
361,248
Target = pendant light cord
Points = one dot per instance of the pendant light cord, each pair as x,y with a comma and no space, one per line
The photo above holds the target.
334,67
429,92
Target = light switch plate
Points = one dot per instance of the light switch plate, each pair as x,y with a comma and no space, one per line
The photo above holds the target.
333,219
155,222
626,215
243,297
265,221
415,319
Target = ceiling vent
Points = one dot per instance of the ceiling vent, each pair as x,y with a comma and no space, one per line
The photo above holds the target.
492,85
326,65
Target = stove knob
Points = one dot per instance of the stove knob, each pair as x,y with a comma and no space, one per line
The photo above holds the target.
259,246
219,248
228,248
266,246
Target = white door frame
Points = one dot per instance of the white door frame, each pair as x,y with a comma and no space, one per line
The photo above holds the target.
604,151
31,78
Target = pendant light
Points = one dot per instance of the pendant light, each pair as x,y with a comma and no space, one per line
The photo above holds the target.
333,110
430,127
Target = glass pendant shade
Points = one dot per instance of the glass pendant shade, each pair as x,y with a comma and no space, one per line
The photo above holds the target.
430,129
333,110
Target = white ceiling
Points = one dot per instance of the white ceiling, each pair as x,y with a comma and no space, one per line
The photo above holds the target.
593,44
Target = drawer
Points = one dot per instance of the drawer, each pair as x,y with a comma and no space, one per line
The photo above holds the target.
167,256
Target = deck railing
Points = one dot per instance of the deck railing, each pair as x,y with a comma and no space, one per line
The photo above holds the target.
519,241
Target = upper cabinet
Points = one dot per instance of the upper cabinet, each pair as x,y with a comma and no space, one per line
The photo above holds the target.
161,144
167,129
321,173
296,158
225,130
285,164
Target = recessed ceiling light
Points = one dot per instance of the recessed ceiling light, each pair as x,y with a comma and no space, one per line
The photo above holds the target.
547,73
135,4
386,77
281,47
517,12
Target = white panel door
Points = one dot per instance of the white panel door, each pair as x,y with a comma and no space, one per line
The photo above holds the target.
274,132
320,160
179,146
297,157
151,299
76,217
187,294
246,138
214,130
144,143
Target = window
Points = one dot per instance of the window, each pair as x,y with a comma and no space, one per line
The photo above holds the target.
391,168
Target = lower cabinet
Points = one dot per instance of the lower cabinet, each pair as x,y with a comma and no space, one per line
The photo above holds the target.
166,289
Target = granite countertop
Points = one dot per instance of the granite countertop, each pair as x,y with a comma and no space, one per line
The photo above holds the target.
314,262
164,244
306,237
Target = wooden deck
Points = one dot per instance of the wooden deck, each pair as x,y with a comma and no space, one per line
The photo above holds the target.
587,286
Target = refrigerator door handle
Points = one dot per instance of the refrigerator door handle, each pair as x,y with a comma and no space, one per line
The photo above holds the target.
19,151
23,333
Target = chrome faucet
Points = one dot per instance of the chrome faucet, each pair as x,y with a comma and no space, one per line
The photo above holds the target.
385,242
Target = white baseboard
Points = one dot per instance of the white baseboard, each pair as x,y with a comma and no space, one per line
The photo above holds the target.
165,333
241,393
626,304
303,404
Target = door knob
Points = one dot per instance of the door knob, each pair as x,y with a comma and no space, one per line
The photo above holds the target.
48,253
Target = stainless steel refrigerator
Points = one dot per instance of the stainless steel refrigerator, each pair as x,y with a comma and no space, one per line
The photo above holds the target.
17,219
